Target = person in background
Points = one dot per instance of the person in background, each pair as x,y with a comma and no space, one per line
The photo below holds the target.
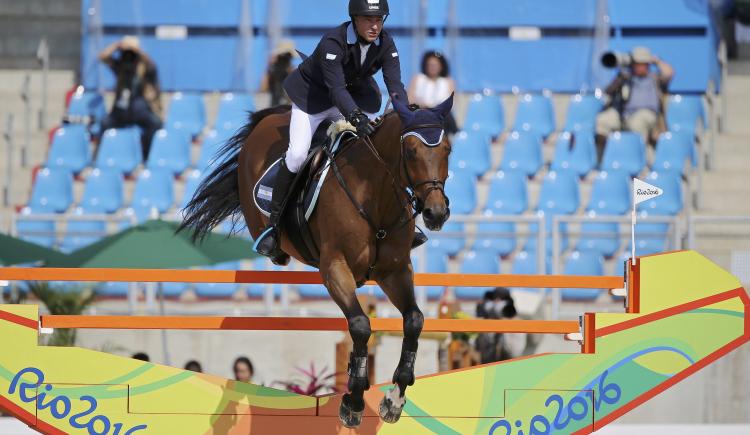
279,67
141,356
137,94
193,366
433,86
243,369
635,102
496,304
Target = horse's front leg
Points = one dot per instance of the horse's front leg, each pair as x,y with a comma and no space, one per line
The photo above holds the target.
399,287
341,285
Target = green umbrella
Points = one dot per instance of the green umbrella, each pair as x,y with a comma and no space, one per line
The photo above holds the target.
16,251
154,245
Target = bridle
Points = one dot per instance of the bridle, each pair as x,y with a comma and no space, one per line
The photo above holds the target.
433,184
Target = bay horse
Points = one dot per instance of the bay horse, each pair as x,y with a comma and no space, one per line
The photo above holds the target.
363,222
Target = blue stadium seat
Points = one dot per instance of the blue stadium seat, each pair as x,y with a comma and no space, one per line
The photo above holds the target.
121,149
672,150
70,148
650,237
668,204
234,111
169,150
103,191
477,262
87,108
113,289
558,196
523,152
496,237
53,190
81,233
525,263
173,290
582,111
485,114
684,112
460,187
580,157
535,114
583,263
218,290
624,151
192,181
153,189
212,143
436,261
445,242
600,237
610,193
187,113
35,231
471,153
508,193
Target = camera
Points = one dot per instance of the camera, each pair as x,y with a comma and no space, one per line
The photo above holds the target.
613,59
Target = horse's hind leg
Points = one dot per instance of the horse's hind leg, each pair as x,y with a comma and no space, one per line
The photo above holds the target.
400,290
341,285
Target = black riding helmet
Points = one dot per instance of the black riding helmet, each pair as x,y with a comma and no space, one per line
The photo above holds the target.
369,8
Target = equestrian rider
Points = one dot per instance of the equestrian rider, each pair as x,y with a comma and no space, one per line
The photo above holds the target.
336,83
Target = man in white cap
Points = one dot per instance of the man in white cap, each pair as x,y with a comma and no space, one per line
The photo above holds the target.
635,98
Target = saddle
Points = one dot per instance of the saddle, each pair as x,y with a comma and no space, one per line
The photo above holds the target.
329,138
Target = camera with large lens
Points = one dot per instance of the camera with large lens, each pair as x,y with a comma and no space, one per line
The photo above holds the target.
614,59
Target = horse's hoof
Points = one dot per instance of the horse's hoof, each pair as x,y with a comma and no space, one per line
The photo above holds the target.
282,259
392,405
348,416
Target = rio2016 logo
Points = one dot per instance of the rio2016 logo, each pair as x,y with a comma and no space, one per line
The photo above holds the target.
576,409
60,406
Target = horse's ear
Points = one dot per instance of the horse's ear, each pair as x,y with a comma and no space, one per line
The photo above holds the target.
403,110
445,107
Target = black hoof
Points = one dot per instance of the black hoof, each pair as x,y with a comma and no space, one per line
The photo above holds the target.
391,405
350,417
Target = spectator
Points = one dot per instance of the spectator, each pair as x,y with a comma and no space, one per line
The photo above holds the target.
137,93
635,98
193,366
433,86
496,304
279,67
243,369
141,356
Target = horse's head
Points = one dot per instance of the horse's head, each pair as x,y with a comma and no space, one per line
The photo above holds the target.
425,150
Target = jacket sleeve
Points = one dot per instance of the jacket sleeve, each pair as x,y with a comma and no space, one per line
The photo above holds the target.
392,71
332,62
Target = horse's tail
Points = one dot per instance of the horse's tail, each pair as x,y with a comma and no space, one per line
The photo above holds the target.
217,198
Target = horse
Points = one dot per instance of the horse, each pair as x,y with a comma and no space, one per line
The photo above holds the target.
363,222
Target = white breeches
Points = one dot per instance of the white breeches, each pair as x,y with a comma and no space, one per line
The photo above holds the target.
301,130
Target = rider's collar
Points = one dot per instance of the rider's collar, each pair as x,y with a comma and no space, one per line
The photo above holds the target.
351,35
431,137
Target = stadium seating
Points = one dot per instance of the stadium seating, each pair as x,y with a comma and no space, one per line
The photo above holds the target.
583,263
507,196
523,152
600,237
684,112
233,111
496,237
35,231
187,113
258,291
81,233
52,191
444,241
212,143
460,187
650,237
120,149
70,148
672,150
169,150
671,202
477,262
525,263
86,108
580,157
535,114
218,290
113,289
435,261
471,153
582,111
103,191
485,114
624,151
558,196
153,190
610,193
192,181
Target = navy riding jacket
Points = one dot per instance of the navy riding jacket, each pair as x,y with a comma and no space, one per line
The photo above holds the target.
334,76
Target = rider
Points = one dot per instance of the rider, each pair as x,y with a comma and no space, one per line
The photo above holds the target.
335,83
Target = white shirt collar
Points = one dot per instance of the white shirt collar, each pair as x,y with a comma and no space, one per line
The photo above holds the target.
351,35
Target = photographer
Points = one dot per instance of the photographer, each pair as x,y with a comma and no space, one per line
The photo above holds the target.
137,94
636,93
496,304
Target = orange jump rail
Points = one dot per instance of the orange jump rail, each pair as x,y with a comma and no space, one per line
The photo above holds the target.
283,277
302,324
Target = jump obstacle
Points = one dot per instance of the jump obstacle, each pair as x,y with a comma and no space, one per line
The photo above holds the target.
682,313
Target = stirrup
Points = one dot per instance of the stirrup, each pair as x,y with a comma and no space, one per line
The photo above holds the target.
267,243
420,238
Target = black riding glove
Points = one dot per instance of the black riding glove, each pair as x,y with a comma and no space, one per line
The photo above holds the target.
361,122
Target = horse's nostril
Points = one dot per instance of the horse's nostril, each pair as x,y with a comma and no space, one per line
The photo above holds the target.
428,213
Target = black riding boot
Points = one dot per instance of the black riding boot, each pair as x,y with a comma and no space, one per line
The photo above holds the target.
268,241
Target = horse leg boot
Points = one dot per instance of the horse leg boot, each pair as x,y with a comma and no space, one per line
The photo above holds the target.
353,403
270,239
394,400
